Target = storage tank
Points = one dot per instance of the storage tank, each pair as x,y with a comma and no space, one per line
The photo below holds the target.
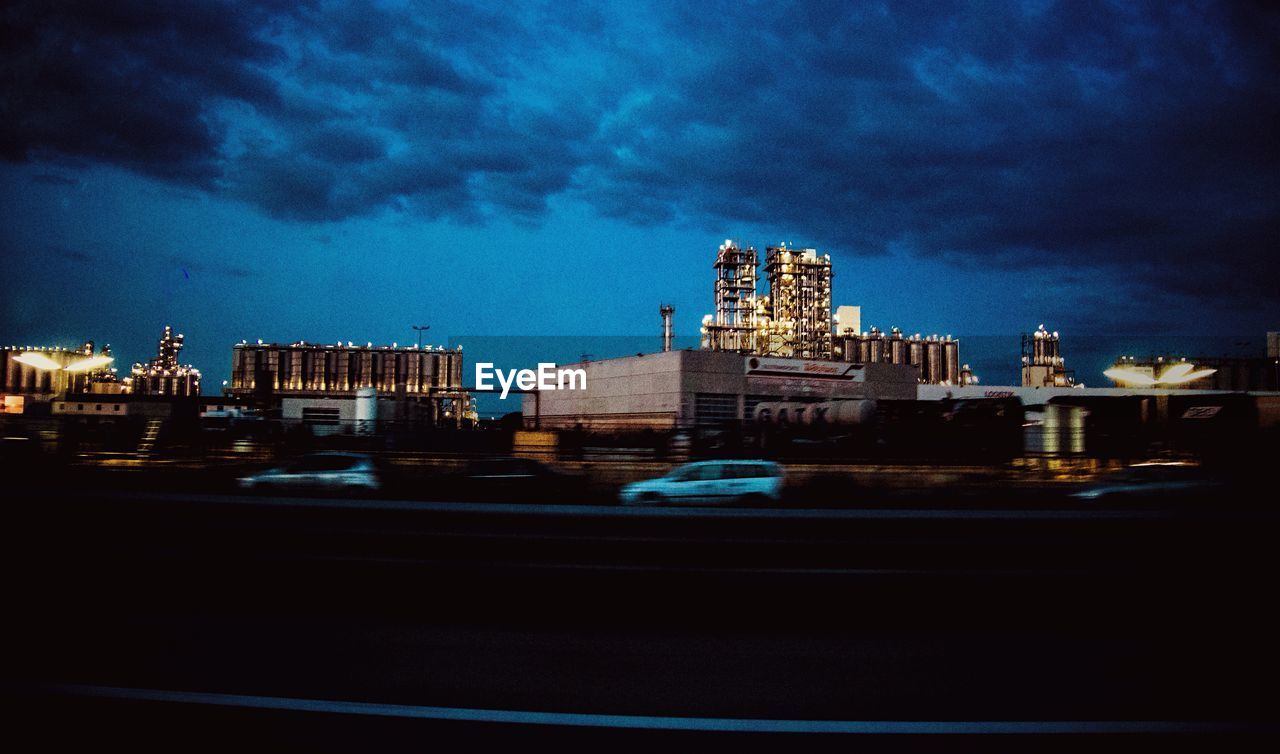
932,367
366,410
951,361
876,346
1046,347
915,352
897,350
848,348
825,413
457,368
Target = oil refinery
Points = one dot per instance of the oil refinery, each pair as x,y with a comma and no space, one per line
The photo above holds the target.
793,317
776,357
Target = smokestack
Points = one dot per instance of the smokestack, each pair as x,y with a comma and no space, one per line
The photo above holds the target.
668,313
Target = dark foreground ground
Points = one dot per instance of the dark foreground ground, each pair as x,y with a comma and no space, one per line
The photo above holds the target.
179,621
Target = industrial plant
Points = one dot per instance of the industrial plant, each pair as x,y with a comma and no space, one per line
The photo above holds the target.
163,375
320,383
1042,361
41,373
1199,372
793,317
778,364
777,361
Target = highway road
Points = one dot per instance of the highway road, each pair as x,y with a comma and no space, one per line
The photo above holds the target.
323,622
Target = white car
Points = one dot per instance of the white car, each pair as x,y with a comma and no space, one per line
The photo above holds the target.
709,483
326,471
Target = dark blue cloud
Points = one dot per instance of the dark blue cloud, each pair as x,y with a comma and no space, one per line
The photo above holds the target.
341,143
53,179
1136,139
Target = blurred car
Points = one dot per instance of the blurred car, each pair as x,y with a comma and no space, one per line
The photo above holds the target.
709,483
513,480
1155,484
319,471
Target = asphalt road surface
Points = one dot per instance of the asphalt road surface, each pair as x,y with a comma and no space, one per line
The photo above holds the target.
180,620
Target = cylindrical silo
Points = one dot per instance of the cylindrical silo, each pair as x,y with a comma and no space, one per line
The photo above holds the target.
897,350
877,346
951,361
366,410
932,360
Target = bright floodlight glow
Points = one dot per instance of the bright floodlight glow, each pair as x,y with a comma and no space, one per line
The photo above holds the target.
1178,374
1192,376
1175,373
93,362
37,360
1130,376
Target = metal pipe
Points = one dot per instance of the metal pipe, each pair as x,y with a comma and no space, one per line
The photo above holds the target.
668,313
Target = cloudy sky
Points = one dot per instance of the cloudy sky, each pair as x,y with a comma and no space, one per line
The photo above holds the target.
334,171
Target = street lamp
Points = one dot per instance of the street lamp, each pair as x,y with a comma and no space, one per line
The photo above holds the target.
421,329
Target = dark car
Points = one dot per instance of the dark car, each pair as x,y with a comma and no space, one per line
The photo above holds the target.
1157,485
514,480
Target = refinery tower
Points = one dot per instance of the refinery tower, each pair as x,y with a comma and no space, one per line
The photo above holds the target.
793,319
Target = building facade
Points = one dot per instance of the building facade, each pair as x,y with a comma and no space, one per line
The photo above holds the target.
40,374
1200,373
314,381
706,389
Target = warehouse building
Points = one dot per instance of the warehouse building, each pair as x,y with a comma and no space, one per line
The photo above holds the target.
35,376
688,389
342,387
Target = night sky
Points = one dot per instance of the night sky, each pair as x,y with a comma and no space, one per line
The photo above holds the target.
327,171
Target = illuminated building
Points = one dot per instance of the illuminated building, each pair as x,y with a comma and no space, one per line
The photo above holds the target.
708,389
848,320
319,383
43,373
799,302
1042,362
935,358
794,319
163,375
734,326
1200,373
